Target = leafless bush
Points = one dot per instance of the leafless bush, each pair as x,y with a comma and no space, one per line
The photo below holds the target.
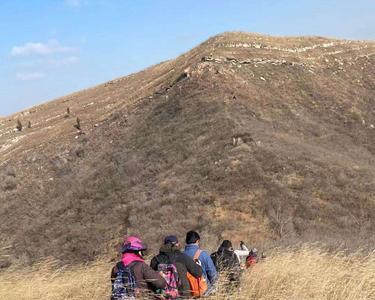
19,125
10,184
279,219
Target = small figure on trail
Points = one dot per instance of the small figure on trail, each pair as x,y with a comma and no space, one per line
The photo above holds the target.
29,124
174,267
132,277
201,257
252,258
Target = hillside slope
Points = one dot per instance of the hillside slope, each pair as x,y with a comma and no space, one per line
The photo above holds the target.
246,136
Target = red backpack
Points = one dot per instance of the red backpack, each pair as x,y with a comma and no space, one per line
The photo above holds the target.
251,260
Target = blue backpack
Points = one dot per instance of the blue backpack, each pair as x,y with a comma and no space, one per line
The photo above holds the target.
124,285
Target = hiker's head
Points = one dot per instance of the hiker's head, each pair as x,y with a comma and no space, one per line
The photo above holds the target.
253,252
172,241
192,237
135,245
226,245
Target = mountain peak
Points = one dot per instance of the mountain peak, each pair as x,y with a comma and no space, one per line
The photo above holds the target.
245,136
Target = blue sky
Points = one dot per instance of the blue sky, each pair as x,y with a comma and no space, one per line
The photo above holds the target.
49,48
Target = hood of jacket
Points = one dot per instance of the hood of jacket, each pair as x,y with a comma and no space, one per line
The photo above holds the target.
225,250
169,249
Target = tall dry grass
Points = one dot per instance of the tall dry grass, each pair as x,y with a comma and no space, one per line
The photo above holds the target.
311,273
46,281
307,272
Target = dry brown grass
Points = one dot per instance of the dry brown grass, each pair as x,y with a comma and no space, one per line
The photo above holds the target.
275,133
46,281
308,272
312,273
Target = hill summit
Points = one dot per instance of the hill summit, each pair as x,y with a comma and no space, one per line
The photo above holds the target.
245,137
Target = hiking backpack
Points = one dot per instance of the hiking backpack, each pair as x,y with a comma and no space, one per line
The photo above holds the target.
214,259
170,274
198,286
124,285
251,261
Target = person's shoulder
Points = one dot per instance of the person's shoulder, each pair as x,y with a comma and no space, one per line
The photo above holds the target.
204,254
161,258
204,251
183,255
139,264
157,256
117,266
114,270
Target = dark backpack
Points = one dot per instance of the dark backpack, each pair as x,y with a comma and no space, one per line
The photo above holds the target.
124,285
214,259
224,260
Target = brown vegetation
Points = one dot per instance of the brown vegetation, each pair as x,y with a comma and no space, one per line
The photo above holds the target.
246,136
308,272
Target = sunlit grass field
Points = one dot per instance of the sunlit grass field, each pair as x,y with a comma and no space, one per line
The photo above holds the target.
306,272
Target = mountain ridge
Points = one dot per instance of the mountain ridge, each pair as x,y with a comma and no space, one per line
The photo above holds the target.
273,133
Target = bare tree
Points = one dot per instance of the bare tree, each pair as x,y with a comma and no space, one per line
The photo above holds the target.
78,124
279,218
19,125
67,113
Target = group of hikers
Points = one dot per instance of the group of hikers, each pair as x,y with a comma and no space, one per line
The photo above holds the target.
176,274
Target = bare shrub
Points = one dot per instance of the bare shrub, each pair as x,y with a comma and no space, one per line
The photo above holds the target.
78,123
10,171
67,113
19,125
10,184
279,219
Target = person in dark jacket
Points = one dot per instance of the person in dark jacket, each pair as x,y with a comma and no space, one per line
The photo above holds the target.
147,280
226,262
170,253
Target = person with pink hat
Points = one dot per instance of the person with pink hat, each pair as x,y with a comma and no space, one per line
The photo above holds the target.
132,277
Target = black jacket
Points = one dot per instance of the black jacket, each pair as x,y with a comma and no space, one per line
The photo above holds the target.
227,262
169,254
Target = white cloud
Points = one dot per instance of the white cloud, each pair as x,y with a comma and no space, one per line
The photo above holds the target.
29,76
70,60
48,48
43,58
